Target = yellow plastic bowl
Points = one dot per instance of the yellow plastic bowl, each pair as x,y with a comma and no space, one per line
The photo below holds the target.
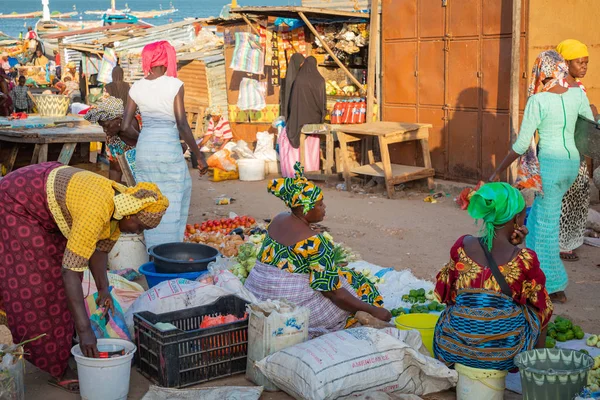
424,323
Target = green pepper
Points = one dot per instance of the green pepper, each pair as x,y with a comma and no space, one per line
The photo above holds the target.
421,300
550,343
550,325
561,326
552,333
584,351
421,292
432,306
579,335
440,307
561,337
405,297
570,334
413,293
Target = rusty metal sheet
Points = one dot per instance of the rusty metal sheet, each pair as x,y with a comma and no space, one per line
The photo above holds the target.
339,5
495,141
399,77
464,18
431,18
496,72
431,76
497,17
399,19
463,82
463,145
437,136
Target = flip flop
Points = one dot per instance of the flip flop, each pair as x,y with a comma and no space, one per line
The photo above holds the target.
570,256
69,385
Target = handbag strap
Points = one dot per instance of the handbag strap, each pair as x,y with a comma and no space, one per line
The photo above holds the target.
493,266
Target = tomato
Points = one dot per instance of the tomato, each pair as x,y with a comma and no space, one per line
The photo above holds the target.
196,226
188,227
192,231
252,220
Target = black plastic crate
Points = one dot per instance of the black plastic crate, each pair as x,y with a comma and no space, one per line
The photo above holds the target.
190,355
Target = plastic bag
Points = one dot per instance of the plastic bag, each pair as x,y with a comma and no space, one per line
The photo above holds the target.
247,55
12,385
252,95
242,150
111,326
209,393
222,159
264,147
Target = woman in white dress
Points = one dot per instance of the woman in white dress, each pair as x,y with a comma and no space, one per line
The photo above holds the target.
159,156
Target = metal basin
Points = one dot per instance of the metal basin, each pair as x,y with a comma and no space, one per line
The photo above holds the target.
182,257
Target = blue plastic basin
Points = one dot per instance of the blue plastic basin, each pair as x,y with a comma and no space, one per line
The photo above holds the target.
154,278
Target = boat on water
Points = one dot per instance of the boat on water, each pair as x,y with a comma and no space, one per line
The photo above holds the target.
35,14
153,13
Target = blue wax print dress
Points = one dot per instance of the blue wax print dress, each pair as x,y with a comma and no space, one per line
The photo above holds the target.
159,156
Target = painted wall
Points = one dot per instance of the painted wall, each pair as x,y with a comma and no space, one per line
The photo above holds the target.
552,21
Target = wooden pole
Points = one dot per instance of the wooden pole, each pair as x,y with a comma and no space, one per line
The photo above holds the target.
373,55
330,52
515,68
250,24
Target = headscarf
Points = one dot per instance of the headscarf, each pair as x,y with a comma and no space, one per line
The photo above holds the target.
214,110
144,200
495,204
105,110
118,88
296,192
549,64
159,54
290,76
308,101
572,49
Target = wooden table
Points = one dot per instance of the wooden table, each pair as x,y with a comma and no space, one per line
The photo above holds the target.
69,135
386,133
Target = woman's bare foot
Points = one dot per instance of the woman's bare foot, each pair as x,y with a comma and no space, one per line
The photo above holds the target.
558,297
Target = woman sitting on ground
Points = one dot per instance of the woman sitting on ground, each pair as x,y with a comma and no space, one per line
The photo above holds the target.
497,303
296,263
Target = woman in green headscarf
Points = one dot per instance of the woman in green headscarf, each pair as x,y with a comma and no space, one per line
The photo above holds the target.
299,264
487,321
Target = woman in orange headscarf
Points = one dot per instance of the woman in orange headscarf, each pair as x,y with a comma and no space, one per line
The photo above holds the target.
159,157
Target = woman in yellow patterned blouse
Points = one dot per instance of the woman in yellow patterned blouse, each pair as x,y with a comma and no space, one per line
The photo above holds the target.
55,222
298,264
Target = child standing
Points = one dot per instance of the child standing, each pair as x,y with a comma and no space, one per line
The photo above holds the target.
20,97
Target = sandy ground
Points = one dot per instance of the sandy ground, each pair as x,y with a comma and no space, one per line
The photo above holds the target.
401,233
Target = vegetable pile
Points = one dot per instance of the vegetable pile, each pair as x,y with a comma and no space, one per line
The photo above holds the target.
225,225
422,303
593,380
562,330
209,321
246,257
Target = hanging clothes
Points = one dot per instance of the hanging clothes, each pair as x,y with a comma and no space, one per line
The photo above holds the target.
109,61
248,55
252,95
307,101
284,94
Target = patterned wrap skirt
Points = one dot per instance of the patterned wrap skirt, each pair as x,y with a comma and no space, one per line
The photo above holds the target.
485,330
31,285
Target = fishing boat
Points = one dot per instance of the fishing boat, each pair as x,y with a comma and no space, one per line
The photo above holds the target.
35,14
154,13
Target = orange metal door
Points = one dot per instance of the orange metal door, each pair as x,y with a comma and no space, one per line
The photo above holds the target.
447,63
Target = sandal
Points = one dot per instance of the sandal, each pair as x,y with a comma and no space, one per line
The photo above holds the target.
69,385
570,256
558,297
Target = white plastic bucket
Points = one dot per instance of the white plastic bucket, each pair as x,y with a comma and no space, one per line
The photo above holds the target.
105,378
479,384
251,169
129,252
271,168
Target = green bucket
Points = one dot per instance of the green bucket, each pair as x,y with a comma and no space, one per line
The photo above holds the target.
553,374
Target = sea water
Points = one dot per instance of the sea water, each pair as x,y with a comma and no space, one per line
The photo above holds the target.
186,9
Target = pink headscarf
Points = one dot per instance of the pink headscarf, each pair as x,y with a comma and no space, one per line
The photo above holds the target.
159,54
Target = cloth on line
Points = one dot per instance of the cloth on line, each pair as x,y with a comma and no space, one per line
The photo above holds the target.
252,95
109,61
248,55
289,156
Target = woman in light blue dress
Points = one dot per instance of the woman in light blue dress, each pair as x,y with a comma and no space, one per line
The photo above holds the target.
552,112
159,155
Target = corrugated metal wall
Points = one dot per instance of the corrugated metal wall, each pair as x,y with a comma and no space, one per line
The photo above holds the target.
204,80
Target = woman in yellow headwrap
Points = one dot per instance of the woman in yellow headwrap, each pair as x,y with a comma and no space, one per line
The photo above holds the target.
299,264
55,222
576,201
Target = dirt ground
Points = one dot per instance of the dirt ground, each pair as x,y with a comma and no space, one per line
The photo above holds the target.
401,233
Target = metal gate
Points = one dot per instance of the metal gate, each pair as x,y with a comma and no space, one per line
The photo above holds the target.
447,63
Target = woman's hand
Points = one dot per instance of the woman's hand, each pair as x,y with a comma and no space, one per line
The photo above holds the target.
518,235
106,301
202,164
594,110
88,343
381,313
